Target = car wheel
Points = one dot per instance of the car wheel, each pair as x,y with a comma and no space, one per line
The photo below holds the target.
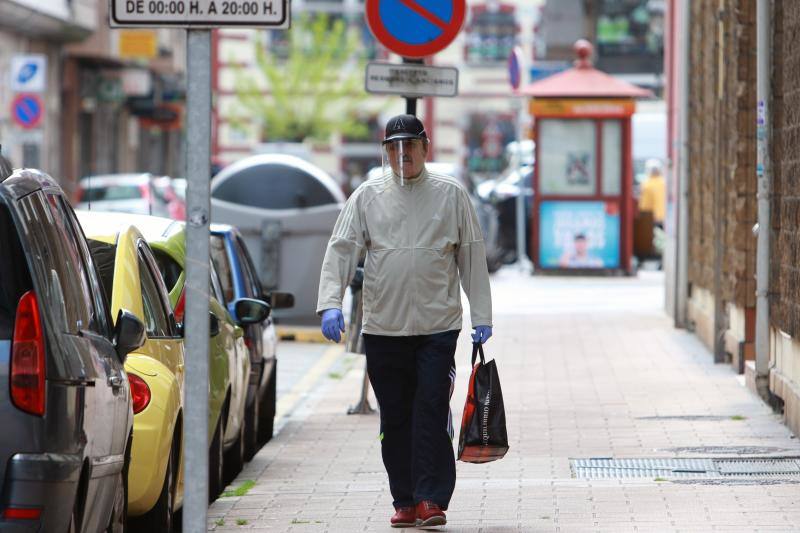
251,419
119,513
234,458
215,463
266,423
162,516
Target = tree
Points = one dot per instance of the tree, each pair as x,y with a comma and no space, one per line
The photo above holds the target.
316,91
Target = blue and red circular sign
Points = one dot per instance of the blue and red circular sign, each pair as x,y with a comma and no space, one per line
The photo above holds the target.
515,67
27,110
415,28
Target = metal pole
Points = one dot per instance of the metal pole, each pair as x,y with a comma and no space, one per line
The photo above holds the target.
198,144
682,246
523,263
764,171
411,102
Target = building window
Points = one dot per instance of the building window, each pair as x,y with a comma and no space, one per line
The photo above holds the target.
487,137
491,35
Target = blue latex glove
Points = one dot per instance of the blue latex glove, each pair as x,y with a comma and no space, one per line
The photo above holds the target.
482,334
332,324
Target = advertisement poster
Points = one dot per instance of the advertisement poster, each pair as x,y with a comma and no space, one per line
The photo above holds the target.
579,234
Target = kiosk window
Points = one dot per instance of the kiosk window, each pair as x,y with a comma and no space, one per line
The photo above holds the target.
612,158
568,159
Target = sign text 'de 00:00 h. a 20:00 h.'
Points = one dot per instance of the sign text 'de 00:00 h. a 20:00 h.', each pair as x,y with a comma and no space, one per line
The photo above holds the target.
198,12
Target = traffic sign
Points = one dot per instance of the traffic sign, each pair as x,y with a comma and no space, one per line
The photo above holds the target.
411,80
200,13
29,73
415,28
27,110
515,67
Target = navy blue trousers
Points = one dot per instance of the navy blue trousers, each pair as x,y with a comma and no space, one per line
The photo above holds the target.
413,378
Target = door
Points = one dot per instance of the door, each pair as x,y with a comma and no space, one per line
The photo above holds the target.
112,417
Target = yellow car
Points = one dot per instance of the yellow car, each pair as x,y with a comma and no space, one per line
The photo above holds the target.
131,279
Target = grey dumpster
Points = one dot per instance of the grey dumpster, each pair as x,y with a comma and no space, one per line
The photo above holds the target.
285,208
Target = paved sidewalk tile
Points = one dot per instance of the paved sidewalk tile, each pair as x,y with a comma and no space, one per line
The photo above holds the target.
590,368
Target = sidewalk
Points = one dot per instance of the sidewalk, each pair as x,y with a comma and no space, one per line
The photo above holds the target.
590,368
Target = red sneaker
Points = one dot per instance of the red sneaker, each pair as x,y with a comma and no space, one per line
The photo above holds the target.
430,514
404,517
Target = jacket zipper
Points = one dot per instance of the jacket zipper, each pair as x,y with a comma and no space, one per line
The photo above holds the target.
413,241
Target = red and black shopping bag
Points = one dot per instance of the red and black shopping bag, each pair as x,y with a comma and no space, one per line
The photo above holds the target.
483,435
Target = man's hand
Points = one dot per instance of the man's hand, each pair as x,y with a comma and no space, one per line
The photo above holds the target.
333,324
482,334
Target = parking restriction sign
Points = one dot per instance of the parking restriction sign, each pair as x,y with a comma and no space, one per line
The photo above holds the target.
415,28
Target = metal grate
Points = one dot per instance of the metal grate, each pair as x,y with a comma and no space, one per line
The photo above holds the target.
680,468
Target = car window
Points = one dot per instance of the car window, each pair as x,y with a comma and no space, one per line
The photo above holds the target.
156,319
15,279
216,287
253,283
223,266
56,264
90,316
101,319
112,192
274,186
169,269
104,255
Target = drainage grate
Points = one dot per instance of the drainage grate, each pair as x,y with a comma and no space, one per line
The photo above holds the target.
727,450
680,468
688,418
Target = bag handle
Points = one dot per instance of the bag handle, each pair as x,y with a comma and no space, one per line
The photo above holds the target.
477,348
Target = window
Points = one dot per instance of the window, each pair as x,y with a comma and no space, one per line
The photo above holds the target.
487,136
57,263
169,269
104,255
252,282
612,157
567,157
14,277
221,262
491,35
156,319
216,287
274,186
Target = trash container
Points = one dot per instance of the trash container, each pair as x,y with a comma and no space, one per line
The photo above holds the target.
285,208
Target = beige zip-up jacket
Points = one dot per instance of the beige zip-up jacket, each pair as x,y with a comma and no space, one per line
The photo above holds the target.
420,238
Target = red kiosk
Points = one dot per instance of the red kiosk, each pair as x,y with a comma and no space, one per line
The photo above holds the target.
582,215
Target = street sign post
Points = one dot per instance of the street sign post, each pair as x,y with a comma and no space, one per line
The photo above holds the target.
411,80
29,73
27,110
413,28
515,62
198,16
200,13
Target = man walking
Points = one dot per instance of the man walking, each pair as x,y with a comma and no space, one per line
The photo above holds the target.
421,235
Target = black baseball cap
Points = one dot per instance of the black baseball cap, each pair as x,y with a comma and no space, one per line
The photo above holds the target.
404,127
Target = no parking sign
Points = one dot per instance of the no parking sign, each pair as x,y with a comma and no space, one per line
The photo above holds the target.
27,110
415,28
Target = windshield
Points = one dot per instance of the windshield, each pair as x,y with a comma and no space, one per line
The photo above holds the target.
112,192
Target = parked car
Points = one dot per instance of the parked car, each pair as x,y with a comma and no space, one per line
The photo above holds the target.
65,405
172,193
285,208
123,193
229,360
131,280
239,280
502,195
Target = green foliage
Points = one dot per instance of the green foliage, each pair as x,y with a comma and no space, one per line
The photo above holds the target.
220,521
241,522
316,91
241,490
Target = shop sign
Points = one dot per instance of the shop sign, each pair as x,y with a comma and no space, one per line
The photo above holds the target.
138,44
582,107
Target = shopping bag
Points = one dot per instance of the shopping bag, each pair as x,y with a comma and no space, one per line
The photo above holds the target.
483,435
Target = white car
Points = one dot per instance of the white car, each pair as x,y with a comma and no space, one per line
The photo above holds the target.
124,193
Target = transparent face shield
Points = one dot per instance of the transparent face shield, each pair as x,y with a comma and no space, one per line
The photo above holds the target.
404,157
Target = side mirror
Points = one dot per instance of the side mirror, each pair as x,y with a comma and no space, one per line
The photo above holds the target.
281,300
250,311
213,325
129,334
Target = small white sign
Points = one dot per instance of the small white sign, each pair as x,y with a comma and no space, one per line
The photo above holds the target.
29,73
200,13
411,80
